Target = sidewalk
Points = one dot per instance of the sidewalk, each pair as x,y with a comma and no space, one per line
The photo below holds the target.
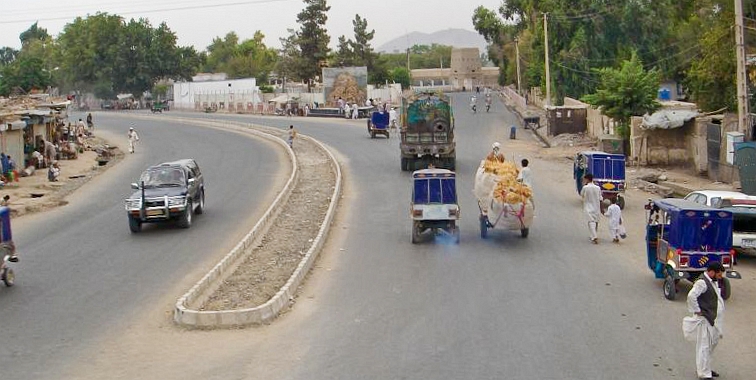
35,193
671,181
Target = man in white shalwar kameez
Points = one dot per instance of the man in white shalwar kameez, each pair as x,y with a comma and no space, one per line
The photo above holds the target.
706,304
591,194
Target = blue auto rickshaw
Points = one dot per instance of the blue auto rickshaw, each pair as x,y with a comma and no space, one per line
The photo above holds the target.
378,124
434,204
683,238
608,173
7,248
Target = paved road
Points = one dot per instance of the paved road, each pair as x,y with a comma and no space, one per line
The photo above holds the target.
83,273
551,306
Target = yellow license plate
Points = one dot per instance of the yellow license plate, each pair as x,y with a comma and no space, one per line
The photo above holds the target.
154,212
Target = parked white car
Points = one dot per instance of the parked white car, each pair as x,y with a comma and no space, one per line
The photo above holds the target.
743,208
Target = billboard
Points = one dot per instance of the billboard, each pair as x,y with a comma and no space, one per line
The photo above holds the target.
349,83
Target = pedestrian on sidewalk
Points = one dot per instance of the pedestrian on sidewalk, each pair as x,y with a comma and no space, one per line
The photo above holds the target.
614,213
591,195
706,304
292,135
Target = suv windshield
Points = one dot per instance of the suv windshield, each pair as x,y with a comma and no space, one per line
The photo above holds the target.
163,177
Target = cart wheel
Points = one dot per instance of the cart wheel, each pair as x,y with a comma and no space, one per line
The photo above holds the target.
415,232
621,202
669,288
8,277
483,227
724,286
524,232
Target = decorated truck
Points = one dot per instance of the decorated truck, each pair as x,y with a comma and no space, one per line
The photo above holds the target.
427,132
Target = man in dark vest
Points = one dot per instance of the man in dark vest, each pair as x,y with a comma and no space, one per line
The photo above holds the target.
705,301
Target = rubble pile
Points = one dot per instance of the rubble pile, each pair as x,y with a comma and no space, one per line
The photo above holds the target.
571,139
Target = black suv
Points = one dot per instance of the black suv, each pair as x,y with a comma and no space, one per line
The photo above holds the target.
171,191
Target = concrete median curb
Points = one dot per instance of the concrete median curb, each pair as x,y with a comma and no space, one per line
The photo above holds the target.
272,308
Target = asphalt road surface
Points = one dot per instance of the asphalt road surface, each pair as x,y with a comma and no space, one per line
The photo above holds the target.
83,273
552,306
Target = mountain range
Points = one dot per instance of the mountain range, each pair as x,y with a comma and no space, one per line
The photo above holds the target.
451,37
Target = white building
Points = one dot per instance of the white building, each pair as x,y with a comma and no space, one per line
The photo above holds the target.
232,95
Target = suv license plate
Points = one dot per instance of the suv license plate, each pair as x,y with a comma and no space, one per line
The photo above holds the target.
154,212
748,243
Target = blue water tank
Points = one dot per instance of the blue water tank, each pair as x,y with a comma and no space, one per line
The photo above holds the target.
665,94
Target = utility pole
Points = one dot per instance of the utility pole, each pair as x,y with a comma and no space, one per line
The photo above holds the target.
517,51
408,59
743,116
546,45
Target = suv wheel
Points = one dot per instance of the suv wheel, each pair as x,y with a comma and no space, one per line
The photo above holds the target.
201,206
186,217
134,224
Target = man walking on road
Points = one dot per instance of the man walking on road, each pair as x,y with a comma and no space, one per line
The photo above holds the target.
705,327
292,135
133,138
591,194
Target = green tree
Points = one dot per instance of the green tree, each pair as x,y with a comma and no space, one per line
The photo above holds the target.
344,55
626,92
7,55
363,51
26,74
34,33
289,57
401,75
249,58
106,54
312,39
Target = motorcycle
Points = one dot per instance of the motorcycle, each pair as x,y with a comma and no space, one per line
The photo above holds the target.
474,108
488,107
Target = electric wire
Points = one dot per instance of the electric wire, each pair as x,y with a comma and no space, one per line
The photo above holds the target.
158,10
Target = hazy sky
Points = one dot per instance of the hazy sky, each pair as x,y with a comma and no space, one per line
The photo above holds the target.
198,22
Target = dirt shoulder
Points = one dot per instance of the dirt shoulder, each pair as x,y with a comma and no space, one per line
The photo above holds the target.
35,193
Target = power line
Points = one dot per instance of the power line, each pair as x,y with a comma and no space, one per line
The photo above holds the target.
167,9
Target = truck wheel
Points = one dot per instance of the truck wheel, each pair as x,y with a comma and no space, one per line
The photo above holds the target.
405,167
669,288
456,235
372,135
525,232
8,277
724,284
135,225
415,232
483,227
186,217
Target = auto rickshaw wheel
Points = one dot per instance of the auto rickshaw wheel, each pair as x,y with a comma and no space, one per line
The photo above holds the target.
669,288
483,226
415,232
621,202
525,232
726,290
8,277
